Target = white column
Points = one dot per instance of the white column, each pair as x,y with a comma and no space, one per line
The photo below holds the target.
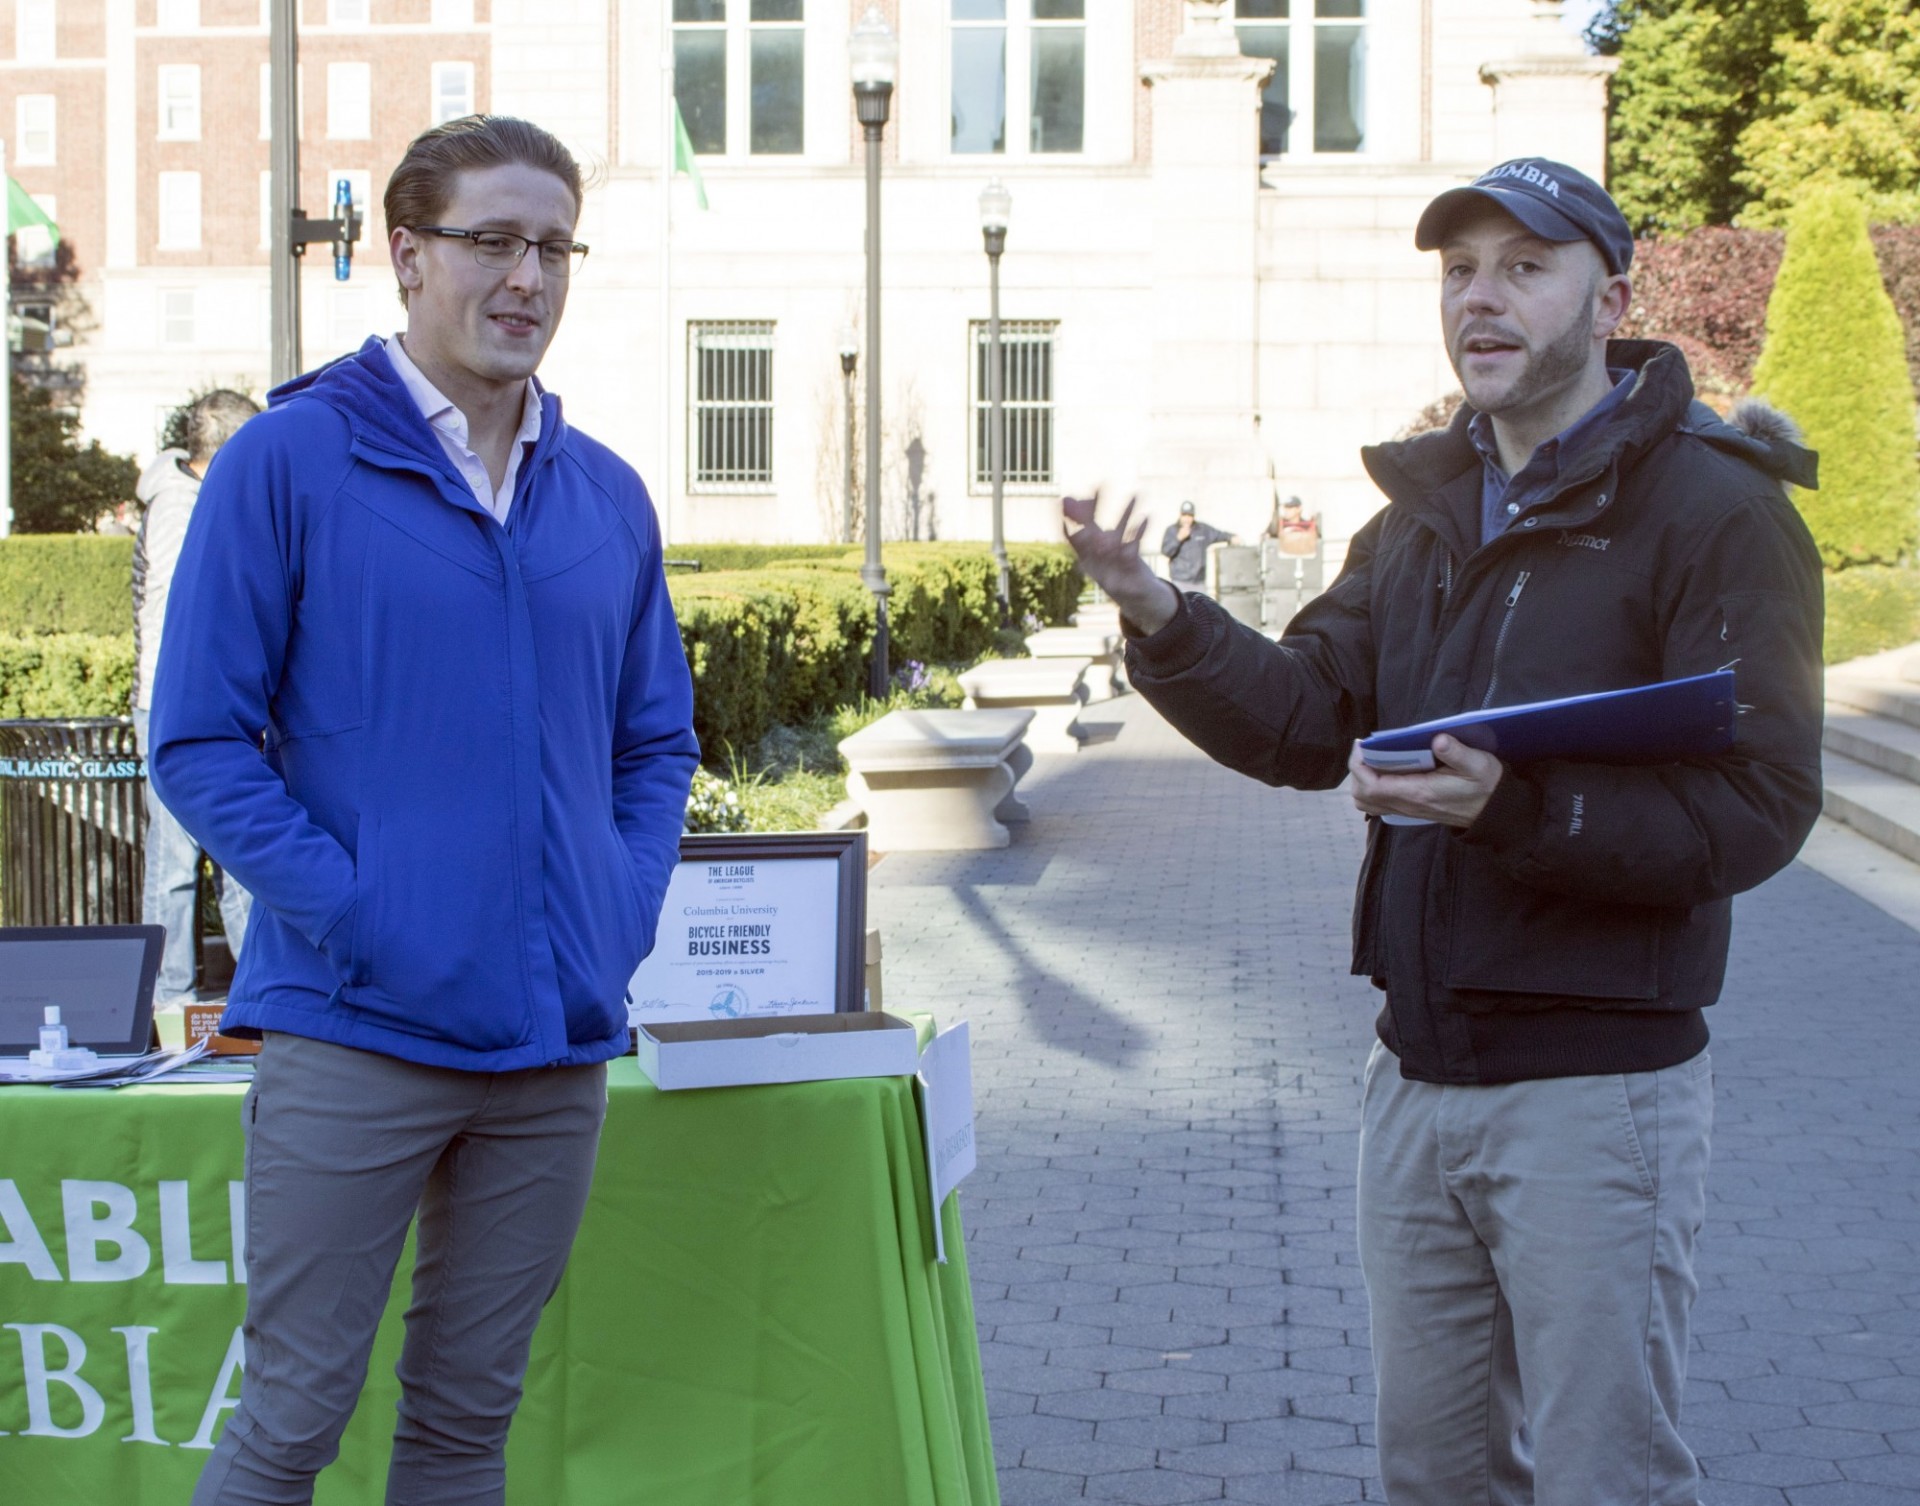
1204,443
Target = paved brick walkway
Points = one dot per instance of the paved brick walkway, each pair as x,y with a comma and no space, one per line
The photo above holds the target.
1167,1052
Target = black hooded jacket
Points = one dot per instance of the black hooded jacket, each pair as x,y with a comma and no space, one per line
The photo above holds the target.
1581,923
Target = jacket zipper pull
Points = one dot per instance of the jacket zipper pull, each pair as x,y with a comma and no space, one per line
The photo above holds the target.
1519,585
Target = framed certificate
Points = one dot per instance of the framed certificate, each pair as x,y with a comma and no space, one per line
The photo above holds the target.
758,925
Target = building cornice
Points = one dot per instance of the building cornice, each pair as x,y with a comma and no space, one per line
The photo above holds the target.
1573,65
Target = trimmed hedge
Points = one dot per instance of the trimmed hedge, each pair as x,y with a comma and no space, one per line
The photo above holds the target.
714,558
65,674
66,583
765,644
1836,359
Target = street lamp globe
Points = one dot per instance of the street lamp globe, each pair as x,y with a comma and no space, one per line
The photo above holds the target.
874,52
996,204
849,347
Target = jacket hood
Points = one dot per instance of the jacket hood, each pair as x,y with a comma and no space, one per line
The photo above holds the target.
365,389
167,470
1661,403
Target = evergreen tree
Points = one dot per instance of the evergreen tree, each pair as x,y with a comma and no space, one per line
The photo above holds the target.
1846,107
1694,76
59,484
1835,361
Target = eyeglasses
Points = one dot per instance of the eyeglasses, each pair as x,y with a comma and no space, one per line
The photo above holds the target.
501,249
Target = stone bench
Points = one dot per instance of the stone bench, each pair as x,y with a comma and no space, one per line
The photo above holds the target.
933,781
1055,689
1097,644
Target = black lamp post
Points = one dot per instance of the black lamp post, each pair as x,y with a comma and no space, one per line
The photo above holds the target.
995,206
873,51
849,357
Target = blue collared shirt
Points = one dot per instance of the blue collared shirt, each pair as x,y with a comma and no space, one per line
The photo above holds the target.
1504,498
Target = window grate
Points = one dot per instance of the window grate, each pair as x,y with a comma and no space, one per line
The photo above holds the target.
1026,401
730,378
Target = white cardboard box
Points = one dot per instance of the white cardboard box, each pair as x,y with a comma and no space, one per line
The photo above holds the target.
795,1048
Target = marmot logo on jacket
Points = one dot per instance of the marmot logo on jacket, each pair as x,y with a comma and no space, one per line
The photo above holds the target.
1585,541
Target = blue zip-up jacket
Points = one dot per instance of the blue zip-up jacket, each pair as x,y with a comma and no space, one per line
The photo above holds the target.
448,758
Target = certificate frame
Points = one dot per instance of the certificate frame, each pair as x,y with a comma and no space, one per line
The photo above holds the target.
848,849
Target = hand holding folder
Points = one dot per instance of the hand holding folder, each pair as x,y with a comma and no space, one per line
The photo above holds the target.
1675,719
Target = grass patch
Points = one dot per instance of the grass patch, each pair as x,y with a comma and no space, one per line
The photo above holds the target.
1871,608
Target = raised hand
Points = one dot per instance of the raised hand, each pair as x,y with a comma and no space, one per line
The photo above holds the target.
1111,559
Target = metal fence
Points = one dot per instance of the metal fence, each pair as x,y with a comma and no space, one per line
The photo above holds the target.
72,822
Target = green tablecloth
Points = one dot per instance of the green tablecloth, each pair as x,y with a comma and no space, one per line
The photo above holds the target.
752,1316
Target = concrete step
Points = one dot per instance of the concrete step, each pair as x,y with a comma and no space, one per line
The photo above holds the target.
1874,801
1881,742
1880,695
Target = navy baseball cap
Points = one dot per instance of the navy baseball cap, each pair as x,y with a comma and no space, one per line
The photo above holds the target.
1554,201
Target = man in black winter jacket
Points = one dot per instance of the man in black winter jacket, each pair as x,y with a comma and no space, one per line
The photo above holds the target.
1538,1108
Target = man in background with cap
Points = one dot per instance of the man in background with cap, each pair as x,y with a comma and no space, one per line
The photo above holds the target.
1538,1107
1185,547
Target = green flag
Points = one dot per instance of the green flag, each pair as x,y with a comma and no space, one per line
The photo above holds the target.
22,211
683,159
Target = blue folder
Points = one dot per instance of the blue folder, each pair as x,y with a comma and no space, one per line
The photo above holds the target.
1676,719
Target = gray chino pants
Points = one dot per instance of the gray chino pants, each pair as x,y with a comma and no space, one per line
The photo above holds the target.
1528,1253
342,1148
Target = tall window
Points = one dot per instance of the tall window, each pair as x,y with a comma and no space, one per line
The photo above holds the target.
451,13
176,316
1026,400
776,77
179,227
177,15
739,74
33,130
33,39
266,210
180,102
1323,78
1019,74
349,101
730,377
346,12
452,91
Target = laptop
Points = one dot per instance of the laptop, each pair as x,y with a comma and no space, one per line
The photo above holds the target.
100,976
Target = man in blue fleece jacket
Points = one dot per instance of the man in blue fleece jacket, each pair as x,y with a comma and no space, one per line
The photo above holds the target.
422,693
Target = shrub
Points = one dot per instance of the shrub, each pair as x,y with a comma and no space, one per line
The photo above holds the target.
1707,293
65,674
1835,360
717,557
60,485
713,804
66,583
1897,248
1869,609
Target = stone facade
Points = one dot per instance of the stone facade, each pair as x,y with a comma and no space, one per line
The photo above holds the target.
1215,324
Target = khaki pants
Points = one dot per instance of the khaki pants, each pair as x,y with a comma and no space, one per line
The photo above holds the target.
1528,1252
343,1147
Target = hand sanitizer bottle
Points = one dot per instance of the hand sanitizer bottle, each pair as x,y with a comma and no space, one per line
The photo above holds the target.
55,1053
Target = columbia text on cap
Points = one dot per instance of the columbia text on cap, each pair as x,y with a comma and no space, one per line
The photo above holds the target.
1552,200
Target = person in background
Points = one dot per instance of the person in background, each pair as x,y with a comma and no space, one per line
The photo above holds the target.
1295,532
1185,547
167,492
